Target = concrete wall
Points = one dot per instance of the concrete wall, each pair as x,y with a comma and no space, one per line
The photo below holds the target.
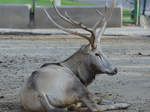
18,16
86,15
14,16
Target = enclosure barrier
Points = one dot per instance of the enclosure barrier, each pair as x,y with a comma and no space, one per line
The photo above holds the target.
19,16
86,15
14,16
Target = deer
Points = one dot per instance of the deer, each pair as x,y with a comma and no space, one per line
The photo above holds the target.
55,86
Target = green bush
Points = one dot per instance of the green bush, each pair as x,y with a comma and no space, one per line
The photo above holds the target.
41,2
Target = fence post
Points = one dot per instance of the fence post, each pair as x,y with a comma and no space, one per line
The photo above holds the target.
34,5
144,7
32,14
137,11
58,2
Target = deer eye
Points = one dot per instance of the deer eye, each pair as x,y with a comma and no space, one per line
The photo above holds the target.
96,54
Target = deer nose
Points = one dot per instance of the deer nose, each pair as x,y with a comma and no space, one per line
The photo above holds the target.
115,71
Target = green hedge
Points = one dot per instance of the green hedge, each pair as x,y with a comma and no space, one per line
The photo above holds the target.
41,2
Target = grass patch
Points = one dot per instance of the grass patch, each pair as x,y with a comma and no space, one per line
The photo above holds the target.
41,2
69,2
127,22
127,13
127,17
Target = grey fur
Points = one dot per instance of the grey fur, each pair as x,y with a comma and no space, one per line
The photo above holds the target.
85,64
64,83
58,85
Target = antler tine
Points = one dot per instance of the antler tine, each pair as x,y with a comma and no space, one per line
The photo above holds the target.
111,10
78,24
99,21
70,20
59,14
101,31
105,21
101,14
64,29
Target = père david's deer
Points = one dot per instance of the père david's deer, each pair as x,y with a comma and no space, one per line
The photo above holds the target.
58,85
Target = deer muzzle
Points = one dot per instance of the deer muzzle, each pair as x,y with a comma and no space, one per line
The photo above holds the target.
113,72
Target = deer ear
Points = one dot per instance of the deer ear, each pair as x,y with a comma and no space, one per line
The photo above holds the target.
86,49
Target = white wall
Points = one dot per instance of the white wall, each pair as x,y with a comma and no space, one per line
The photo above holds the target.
58,2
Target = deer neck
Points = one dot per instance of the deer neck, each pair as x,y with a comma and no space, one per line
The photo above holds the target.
77,65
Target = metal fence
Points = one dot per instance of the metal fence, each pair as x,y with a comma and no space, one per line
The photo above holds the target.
132,9
145,6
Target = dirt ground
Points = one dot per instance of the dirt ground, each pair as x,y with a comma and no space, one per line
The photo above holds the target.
20,55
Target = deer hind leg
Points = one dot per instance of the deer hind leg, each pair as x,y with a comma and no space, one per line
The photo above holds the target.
47,107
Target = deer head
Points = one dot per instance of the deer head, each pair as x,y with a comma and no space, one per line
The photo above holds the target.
91,56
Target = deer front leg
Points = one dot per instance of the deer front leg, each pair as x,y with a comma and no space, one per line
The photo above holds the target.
89,101
83,95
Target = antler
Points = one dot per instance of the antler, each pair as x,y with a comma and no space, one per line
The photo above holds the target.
103,22
94,37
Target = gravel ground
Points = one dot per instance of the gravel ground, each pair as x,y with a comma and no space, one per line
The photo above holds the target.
20,55
131,30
